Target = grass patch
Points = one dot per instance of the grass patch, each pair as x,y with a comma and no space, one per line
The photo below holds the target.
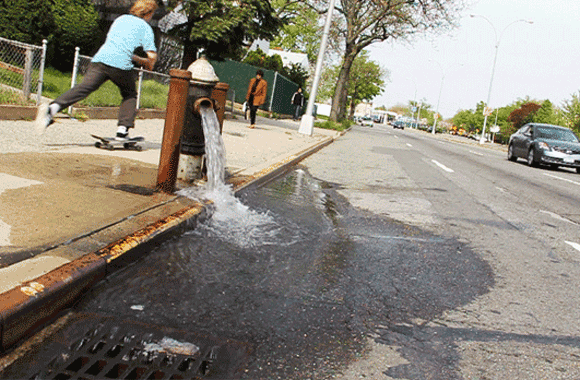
14,98
328,124
153,94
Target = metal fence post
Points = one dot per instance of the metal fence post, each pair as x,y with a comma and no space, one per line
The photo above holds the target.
27,82
41,73
273,89
75,71
139,87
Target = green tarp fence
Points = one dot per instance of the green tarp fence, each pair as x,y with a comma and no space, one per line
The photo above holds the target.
237,75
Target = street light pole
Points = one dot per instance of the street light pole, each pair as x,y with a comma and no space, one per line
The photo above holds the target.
307,122
439,98
497,40
414,108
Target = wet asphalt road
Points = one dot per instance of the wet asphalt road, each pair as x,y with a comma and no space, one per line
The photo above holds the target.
304,300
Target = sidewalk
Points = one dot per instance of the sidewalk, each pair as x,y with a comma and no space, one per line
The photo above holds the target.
70,213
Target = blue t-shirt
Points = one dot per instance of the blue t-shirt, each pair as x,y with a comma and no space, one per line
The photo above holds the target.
127,33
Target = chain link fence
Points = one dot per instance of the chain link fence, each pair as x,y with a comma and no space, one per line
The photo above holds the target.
22,67
151,86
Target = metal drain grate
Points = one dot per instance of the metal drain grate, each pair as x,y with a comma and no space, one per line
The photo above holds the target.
97,347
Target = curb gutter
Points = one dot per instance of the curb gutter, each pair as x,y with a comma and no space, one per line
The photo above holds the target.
36,302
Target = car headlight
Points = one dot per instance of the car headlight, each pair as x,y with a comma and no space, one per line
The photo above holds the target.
543,145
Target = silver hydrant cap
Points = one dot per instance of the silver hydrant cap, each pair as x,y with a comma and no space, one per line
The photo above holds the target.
202,72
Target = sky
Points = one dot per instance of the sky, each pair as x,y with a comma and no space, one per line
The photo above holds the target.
540,60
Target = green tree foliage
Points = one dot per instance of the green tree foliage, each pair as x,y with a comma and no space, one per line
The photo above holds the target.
571,112
76,24
66,24
296,74
274,62
221,28
509,118
301,32
367,80
261,59
26,21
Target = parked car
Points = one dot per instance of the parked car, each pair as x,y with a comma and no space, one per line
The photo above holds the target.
545,144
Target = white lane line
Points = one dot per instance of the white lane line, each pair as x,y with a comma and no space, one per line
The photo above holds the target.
562,179
409,145
501,189
443,166
576,246
476,153
559,217
396,136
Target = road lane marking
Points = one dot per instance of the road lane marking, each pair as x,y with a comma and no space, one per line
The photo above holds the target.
559,217
476,153
409,145
501,189
562,179
443,166
576,246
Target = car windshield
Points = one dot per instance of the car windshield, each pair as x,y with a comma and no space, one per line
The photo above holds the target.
556,134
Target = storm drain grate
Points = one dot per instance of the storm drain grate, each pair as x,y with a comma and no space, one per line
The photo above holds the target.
97,347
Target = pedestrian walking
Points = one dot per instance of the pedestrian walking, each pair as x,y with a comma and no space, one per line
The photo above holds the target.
256,95
114,61
298,103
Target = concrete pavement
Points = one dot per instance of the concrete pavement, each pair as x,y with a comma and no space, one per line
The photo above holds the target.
70,213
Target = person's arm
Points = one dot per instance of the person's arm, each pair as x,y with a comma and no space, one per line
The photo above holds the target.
146,62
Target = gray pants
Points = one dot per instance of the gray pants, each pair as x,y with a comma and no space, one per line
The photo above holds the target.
97,74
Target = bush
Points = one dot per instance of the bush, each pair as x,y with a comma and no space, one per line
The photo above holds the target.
76,24
328,124
26,20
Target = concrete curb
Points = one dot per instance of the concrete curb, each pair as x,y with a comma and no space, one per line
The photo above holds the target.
26,308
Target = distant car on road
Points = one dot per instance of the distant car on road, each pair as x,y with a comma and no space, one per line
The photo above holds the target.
399,124
367,121
545,144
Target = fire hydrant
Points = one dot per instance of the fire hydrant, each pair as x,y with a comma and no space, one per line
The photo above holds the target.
203,80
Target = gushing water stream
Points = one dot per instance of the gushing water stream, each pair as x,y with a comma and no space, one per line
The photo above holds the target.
232,220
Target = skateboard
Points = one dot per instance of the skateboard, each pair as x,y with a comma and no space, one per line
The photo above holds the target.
110,142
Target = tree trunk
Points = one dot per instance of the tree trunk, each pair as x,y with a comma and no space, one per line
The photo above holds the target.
189,54
352,108
339,100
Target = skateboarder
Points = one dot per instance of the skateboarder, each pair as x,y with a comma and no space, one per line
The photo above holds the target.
114,61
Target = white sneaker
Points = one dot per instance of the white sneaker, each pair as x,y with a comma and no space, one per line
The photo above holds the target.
122,133
43,119
122,136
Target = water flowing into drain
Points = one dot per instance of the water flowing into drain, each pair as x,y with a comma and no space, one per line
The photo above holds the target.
232,220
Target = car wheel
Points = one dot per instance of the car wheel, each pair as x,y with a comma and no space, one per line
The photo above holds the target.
511,155
531,158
